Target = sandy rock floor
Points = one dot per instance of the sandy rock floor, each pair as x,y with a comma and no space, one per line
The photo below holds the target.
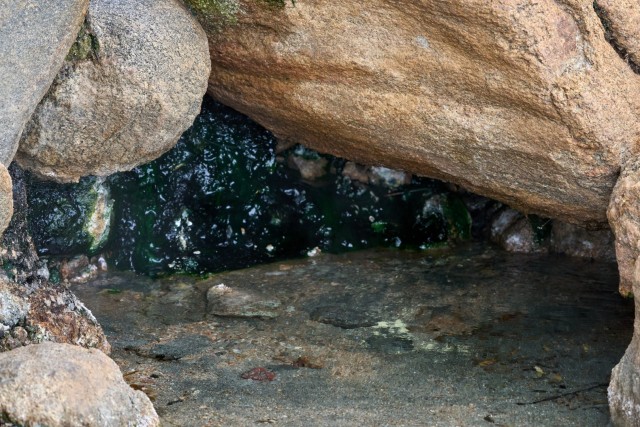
470,336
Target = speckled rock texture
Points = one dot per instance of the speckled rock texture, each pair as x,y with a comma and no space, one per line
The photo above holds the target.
6,198
64,385
13,309
522,101
574,240
126,98
43,312
35,36
622,19
624,215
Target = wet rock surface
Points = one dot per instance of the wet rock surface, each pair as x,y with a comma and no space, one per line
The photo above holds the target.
228,196
228,302
34,307
74,386
225,198
573,240
465,336
132,84
514,232
43,312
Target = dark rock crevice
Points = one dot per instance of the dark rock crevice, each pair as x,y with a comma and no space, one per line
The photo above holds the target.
610,37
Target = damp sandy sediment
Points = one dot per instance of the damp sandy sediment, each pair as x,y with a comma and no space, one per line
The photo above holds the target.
467,336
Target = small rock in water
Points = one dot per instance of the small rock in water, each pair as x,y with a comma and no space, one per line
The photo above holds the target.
310,169
259,374
578,241
513,231
102,264
389,178
313,252
227,302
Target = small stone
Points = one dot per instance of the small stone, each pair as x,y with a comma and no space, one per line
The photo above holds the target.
259,374
310,169
20,334
102,264
356,172
577,241
227,302
313,252
73,267
12,307
512,230
389,178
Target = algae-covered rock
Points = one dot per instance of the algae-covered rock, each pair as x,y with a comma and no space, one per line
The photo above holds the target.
224,199
68,218
132,83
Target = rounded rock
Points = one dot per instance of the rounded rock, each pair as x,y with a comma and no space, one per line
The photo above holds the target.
35,38
61,385
134,83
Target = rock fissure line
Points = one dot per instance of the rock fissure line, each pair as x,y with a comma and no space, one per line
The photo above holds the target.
610,37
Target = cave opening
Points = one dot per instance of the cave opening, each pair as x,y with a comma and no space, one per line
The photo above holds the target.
250,280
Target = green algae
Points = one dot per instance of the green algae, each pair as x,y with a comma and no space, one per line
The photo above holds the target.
85,47
63,217
223,199
214,14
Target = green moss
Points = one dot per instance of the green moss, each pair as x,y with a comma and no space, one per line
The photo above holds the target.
278,3
85,47
9,270
458,217
54,276
379,226
214,14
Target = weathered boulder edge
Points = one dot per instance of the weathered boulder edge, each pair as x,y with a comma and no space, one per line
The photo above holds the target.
126,101
36,38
